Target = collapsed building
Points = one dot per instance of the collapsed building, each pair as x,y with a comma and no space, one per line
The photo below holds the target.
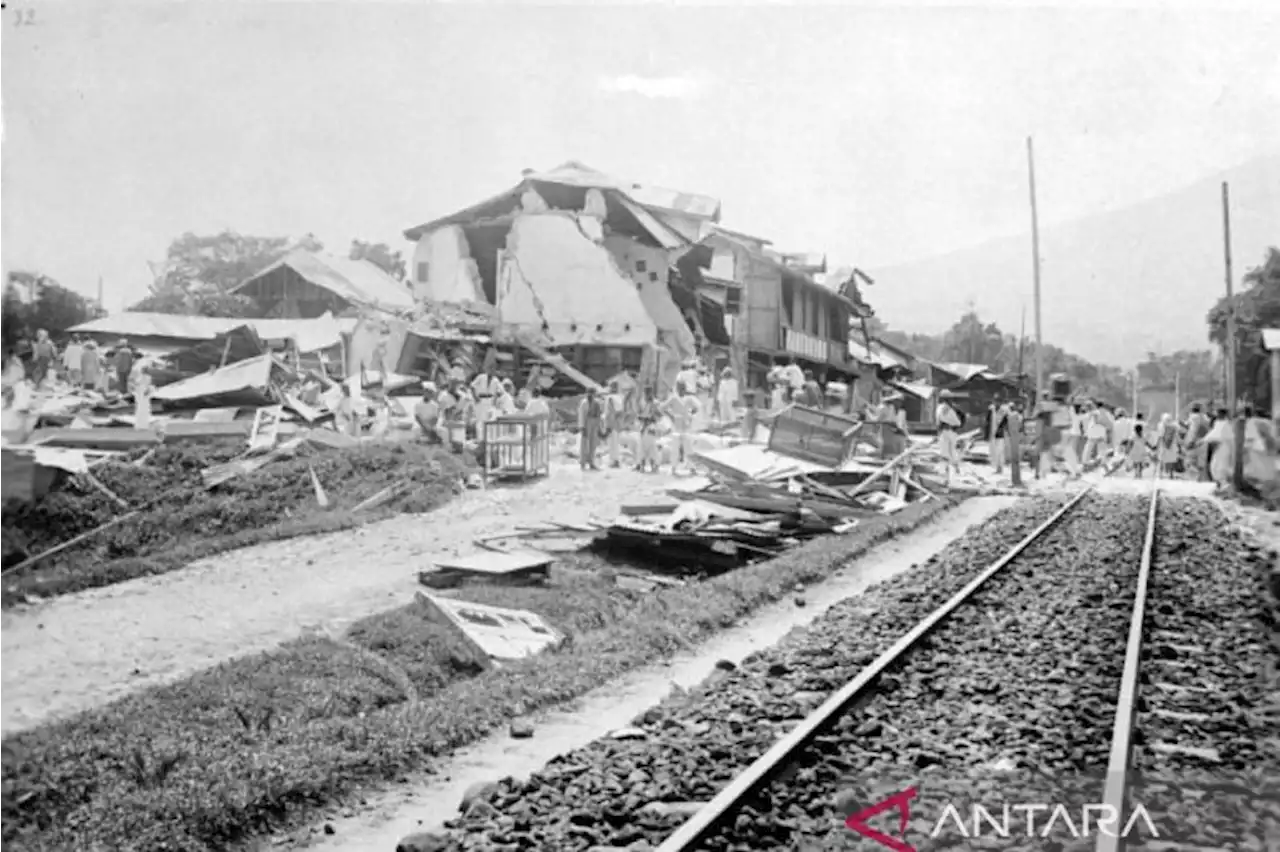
615,275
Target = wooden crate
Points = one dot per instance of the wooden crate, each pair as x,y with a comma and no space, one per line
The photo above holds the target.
517,446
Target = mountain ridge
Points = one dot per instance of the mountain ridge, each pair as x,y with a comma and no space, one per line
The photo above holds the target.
1115,284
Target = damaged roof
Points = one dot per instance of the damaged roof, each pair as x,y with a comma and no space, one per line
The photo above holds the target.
309,333
356,281
574,174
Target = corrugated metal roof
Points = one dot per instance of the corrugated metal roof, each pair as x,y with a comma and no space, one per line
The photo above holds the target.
576,174
310,334
688,203
1271,339
357,281
960,369
920,390
253,373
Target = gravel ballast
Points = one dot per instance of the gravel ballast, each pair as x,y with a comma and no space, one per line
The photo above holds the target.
1010,703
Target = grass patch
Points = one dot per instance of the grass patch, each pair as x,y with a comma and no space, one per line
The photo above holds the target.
262,742
191,522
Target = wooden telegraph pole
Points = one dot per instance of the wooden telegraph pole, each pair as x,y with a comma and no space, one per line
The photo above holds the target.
1237,475
1035,261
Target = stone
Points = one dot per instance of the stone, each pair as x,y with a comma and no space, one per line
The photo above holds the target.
680,809
629,733
521,730
801,602
477,792
726,665
423,842
329,829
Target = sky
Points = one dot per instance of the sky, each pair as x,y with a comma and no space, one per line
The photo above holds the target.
877,134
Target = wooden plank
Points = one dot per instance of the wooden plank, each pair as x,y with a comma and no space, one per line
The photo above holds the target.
504,562
560,364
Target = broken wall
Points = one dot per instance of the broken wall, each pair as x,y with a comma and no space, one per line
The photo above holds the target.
557,280
451,273
646,266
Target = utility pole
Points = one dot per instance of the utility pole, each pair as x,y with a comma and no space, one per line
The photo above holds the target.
1237,476
1035,260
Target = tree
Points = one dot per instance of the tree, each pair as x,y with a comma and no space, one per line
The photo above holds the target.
381,255
199,273
33,301
1257,307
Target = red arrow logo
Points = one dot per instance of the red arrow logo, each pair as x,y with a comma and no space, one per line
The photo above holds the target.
900,802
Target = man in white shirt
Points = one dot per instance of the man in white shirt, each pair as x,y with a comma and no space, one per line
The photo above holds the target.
794,377
71,358
485,387
948,424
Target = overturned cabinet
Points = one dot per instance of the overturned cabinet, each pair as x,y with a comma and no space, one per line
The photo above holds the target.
817,436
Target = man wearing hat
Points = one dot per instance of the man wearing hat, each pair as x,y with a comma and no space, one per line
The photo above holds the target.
948,425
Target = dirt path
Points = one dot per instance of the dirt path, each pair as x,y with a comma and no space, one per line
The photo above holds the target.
83,650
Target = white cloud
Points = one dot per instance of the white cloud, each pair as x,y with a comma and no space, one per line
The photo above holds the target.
654,87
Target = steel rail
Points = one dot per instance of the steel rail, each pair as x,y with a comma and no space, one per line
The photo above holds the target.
1115,791
715,813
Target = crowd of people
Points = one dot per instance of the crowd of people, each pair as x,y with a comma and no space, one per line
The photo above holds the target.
1088,435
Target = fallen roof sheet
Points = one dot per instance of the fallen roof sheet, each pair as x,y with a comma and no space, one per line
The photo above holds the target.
251,374
875,356
310,334
920,390
357,281
962,370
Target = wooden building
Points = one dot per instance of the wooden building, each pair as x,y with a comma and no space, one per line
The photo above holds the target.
772,313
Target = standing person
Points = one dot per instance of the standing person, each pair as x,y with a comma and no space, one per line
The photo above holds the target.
794,378
1193,441
811,392
590,419
705,389
1095,437
90,365
485,387
948,423
72,357
1013,441
1221,449
504,401
750,414
122,362
1121,433
777,392
1166,439
648,417
727,395
1259,451
997,429
682,409
1138,453
614,415
43,354
687,378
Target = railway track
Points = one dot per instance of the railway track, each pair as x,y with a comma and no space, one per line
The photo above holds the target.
724,808
1173,715
1033,665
